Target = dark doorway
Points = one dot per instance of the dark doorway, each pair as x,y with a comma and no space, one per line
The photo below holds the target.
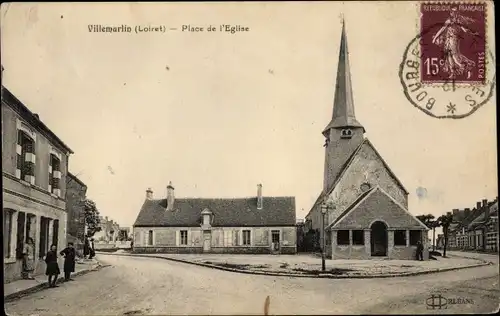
379,239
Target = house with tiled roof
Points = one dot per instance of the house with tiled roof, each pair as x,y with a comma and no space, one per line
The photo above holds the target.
362,211
257,224
474,229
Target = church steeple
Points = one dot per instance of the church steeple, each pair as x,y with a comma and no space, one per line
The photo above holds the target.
344,134
343,104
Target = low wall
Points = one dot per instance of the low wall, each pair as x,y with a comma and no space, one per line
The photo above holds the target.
226,250
112,245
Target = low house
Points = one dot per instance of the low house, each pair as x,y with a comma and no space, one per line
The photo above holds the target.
216,225
475,229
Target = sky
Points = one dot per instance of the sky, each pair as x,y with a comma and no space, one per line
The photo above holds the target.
217,113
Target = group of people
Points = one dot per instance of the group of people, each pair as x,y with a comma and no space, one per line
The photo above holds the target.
52,265
52,270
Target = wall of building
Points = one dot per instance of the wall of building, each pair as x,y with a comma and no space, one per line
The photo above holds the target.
12,265
75,197
363,252
42,152
34,199
365,167
166,239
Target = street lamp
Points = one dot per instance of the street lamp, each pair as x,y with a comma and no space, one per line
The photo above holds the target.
324,209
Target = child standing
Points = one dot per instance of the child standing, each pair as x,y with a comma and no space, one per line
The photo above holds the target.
52,266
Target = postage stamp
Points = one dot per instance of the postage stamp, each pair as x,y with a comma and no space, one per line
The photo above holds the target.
447,70
453,43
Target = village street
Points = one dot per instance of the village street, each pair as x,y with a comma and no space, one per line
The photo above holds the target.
155,286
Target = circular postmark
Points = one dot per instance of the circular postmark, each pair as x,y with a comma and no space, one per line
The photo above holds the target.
449,95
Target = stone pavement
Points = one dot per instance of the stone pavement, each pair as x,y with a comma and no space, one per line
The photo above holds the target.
305,265
18,288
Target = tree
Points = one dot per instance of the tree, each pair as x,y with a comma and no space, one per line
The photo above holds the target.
445,221
92,219
434,224
428,220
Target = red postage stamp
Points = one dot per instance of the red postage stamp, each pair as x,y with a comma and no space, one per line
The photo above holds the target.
453,42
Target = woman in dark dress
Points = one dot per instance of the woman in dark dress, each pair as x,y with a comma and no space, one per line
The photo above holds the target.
52,266
69,254
86,248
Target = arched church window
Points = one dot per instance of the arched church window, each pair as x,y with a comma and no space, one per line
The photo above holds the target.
346,133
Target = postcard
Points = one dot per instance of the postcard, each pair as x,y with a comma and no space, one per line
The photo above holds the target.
249,158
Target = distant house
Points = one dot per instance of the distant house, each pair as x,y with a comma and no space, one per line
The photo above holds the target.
475,229
109,231
367,213
216,225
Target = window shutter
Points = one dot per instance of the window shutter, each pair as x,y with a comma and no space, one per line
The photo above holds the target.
177,237
235,238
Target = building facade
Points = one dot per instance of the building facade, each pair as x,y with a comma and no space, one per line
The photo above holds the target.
196,225
75,208
367,213
110,230
34,172
474,229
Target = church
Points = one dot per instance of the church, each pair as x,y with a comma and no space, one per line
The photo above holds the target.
362,211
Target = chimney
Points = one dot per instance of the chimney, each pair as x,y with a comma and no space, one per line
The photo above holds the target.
149,194
170,197
478,205
485,202
259,197
455,211
467,212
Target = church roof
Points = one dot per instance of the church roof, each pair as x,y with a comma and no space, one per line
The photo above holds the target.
364,196
346,166
343,104
241,212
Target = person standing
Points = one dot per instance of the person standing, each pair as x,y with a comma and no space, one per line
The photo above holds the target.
28,259
52,266
92,250
69,254
420,251
86,248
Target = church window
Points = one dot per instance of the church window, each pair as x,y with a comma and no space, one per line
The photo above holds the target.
415,236
358,237
400,238
343,237
365,187
346,133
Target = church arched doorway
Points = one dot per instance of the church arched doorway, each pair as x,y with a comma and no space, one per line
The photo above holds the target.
378,239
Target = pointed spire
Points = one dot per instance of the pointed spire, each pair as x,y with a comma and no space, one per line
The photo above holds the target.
343,104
